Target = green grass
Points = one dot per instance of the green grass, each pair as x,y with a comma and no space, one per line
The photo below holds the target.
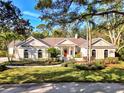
60,74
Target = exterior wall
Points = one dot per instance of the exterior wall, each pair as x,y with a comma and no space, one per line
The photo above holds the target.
100,53
33,53
19,53
10,50
84,52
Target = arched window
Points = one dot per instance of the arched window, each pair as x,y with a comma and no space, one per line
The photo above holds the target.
105,53
25,53
40,54
94,53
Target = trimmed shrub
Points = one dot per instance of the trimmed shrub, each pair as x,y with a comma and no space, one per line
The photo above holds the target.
90,67
111,60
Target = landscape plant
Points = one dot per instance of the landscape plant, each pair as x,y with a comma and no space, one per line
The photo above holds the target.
54,52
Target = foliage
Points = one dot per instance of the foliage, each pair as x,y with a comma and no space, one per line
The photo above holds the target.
59,33
111,60
60,74
108,60
112,29
65,13
3,53
78,55
90,67
10,19
68,64
94,66
53,52
3,67
121,54
30,62
38,35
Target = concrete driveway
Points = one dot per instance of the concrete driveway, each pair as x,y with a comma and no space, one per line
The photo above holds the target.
63,88
3,59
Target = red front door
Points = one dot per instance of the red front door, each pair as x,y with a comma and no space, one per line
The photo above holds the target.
65,53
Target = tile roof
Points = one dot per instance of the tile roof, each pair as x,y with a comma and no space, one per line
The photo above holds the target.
95,40
54,41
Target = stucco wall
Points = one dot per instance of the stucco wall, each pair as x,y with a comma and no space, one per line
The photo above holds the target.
10,50
99,53
33,52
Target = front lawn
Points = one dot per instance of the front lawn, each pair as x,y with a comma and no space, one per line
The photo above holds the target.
60,74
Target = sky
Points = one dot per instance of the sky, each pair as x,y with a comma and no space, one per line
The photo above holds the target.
28,11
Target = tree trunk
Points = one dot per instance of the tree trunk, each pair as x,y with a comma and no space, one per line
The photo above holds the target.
6,45
13,51
89,39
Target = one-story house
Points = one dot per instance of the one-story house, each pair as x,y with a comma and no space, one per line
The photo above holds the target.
33,48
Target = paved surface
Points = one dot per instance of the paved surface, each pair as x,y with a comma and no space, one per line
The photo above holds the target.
63,88
33,66
3,59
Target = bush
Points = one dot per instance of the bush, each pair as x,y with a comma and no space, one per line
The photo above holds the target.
98,61
3,53
78,55
53,52
27,62
90,67
121,54
68,64
111,60
3,67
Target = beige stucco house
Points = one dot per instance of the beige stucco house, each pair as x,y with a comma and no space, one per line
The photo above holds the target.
71,48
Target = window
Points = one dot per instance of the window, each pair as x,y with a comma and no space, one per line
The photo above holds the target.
39,53
93,53
71,52
105,53
25,53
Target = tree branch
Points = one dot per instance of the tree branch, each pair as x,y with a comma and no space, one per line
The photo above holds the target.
103,13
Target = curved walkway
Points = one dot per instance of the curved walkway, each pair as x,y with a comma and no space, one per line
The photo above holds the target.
34,66
63,88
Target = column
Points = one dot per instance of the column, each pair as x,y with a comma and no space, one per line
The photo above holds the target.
74,51
61,50
69,51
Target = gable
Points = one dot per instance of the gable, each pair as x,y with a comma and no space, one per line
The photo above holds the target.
66,42
34,43
102,43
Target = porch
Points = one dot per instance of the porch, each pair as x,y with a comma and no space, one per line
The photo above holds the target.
71,52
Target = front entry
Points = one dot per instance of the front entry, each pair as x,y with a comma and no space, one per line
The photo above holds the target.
65,52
